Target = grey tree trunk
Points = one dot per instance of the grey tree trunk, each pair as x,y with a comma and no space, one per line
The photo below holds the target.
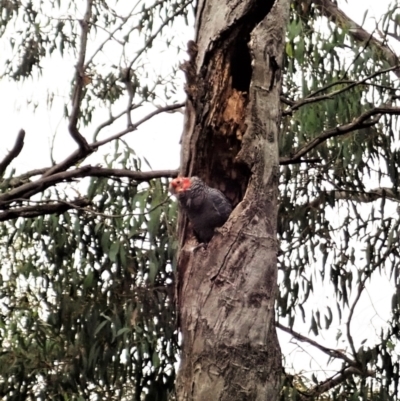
226,292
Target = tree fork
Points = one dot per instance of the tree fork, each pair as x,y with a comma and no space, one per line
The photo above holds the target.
226,292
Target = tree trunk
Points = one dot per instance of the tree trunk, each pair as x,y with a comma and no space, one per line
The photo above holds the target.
226,291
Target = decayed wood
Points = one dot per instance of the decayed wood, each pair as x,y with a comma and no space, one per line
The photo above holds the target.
226,292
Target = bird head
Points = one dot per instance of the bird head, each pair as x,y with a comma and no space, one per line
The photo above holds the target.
180,185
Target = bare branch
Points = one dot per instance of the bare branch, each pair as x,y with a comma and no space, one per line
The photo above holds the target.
151,38
135,126
358,123
332,12
34,187
79,82
77,156
24,178
40,210
335,380
14,152
112,119
110,36
333,353
361,287
351,369
139,176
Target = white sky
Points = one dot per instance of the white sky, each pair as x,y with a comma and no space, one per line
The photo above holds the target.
158,141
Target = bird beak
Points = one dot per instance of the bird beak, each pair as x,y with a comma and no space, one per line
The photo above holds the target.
173,187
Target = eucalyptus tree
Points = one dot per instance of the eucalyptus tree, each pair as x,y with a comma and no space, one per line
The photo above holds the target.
87,244
291,110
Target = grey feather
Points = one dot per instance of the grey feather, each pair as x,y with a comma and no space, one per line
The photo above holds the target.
207,208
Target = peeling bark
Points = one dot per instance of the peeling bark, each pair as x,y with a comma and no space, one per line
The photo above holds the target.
226,292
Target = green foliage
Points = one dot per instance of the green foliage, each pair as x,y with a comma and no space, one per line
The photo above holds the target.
120,38
336,228
87,299
86,304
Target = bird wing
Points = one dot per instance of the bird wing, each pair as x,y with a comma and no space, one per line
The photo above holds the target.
220,203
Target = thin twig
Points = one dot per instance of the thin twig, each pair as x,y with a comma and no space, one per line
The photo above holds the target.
151,38
112,119
356,196
141,121
110,35
329,351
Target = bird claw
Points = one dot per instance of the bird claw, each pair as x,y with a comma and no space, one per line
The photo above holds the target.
201,245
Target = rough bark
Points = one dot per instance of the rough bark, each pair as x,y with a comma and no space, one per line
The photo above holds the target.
226,292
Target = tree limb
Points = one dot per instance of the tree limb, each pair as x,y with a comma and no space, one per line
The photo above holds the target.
78,155
361,287
40,210
79,82
31,188
110,36
141,121
313,98
333,353
357,196
14,152
112,118
163,24
331,11
358,123
334,381
328,384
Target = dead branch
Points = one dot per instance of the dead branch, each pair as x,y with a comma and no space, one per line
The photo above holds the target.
358,123
14,152
335,380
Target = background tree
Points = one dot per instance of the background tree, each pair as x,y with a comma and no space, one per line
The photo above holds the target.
87,245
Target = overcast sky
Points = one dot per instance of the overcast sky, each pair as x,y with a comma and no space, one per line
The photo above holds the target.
158,140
